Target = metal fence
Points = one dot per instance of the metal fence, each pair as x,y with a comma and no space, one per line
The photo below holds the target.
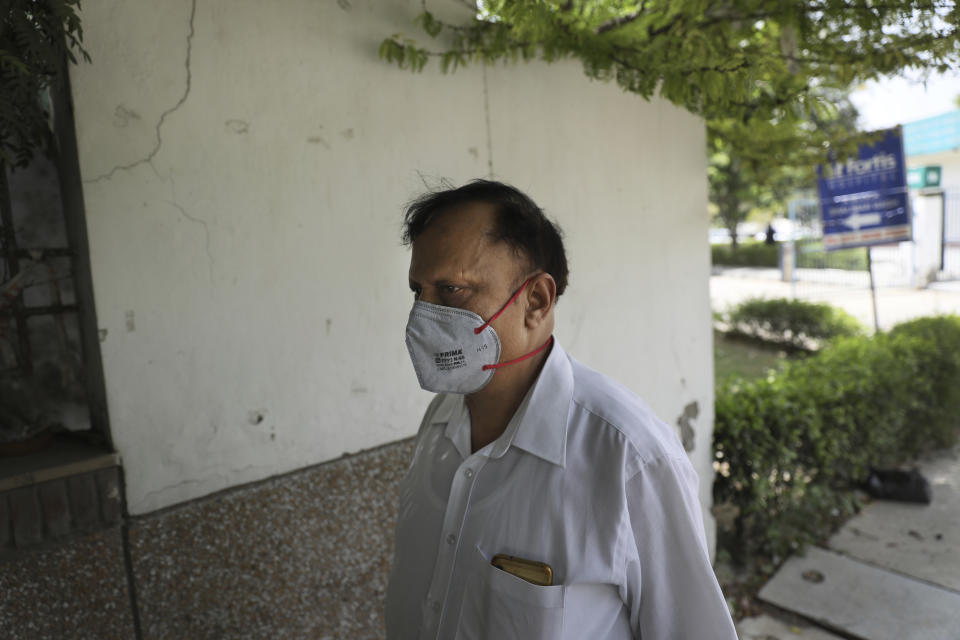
822,272
831,273
893,264
950,264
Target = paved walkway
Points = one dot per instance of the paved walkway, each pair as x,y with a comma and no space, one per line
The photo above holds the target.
894,304
891,573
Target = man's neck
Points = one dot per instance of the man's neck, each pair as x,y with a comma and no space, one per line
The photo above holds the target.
492,408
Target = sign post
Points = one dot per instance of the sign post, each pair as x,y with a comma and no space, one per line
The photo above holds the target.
864,201
873,291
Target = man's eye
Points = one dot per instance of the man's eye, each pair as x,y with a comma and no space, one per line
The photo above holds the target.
449,288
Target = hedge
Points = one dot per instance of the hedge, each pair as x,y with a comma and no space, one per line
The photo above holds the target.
791,447
795,324
810,255
747,254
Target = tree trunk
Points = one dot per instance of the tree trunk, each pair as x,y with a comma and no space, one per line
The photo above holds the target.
729,214
734,240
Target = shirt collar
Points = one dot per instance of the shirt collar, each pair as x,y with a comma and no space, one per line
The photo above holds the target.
539,425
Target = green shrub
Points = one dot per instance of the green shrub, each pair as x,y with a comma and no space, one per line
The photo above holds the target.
940,333
795,324
812,255
789,448
747,254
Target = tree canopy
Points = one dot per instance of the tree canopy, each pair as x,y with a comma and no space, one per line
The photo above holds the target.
759,165
34,39
771,78
767,68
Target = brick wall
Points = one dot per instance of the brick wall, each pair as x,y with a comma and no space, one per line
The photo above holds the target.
37,513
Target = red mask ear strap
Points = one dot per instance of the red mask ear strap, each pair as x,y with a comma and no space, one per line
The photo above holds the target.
504,307
546,344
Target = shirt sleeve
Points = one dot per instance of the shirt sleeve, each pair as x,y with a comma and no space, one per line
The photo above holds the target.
671,590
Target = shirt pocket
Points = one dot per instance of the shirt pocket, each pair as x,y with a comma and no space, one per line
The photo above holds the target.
500,606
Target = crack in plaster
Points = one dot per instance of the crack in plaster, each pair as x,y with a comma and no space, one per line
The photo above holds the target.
177,485
222,477
175,203
148,159
206,231
486,113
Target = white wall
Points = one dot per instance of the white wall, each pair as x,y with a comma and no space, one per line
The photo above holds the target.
927,237
626,179
949,162
926,250
252,266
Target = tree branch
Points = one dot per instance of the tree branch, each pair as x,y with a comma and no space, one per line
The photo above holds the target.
616,23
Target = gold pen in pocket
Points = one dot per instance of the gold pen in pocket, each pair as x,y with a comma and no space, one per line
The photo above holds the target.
538,573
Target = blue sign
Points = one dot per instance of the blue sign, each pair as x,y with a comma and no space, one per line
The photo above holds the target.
864,201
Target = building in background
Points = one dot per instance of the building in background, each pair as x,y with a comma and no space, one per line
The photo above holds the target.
237,178
932,147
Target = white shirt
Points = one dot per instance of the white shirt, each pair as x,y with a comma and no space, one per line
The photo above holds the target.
586,479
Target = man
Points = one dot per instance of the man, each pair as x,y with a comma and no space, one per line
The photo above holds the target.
544,500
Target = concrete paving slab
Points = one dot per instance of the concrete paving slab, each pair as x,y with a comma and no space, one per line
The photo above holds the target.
861,600
952,286
922,541
768,628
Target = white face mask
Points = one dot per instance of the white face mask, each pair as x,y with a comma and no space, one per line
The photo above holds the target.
453,350
447,354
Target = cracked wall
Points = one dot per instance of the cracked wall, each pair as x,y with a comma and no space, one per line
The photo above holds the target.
244,169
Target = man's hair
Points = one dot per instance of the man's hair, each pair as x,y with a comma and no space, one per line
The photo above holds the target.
519,222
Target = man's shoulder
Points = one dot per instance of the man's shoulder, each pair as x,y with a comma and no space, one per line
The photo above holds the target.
605,404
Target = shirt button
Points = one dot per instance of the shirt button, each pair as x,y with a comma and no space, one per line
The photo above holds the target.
451,539
468,473
435,605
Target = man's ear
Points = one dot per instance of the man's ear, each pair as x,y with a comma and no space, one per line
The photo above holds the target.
541,294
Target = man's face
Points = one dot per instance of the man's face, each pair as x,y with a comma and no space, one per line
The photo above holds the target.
457,262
